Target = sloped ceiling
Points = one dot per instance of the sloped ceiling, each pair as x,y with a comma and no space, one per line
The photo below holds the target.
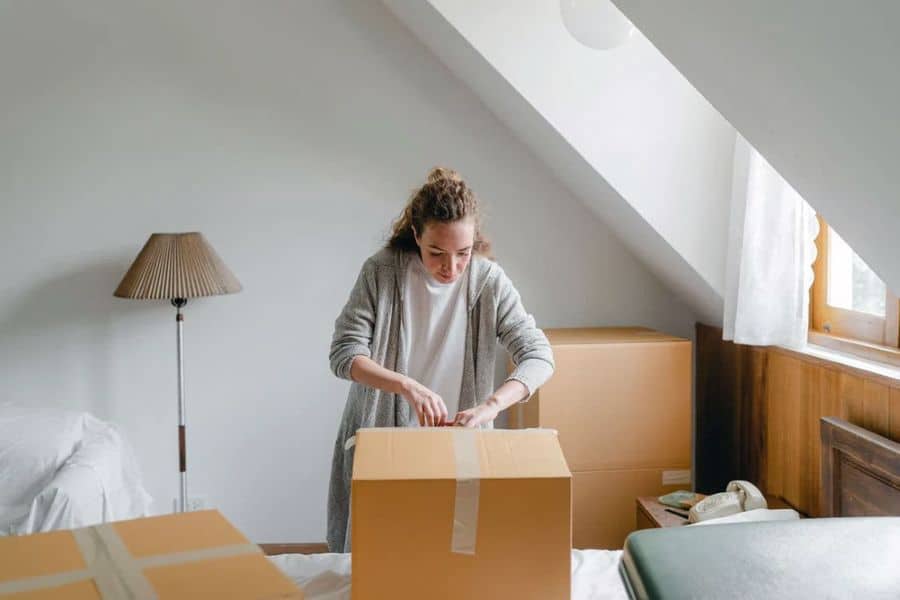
623,130
815,87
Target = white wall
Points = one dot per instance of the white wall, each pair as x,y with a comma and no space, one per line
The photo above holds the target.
290,134
626,112
814,86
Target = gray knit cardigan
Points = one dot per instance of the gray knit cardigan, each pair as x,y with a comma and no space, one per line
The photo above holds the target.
369,325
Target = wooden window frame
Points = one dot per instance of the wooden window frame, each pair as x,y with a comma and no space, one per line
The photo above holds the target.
858,333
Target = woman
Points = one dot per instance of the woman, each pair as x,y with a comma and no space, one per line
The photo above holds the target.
417,336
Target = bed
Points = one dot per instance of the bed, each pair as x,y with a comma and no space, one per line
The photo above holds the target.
860,471
595,573
852,553
836,557
62,469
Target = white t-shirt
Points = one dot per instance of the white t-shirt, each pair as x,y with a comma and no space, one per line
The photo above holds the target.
433,334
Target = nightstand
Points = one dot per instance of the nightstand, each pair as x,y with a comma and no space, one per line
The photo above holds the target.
652,513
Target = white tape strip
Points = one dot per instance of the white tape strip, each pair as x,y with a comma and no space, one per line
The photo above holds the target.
351,441
44,581
116,573
178,558
468,490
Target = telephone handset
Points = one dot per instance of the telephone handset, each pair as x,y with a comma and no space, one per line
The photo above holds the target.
739,496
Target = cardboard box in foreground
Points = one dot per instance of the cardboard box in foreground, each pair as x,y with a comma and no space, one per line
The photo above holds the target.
460,513
195,555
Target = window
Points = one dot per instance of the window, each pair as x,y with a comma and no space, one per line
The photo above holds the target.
849,301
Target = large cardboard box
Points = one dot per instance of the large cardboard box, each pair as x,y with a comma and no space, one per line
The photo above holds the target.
197,555
460,513
604,504
621,401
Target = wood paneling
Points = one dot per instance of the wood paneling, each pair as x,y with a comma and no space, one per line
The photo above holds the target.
824,402
894,415
793,387
731,424
758,412
780,383
875,407
752,416
851,398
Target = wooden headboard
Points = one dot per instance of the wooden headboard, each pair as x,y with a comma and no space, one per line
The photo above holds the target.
860,471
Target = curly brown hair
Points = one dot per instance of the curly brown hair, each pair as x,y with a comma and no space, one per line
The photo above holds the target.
444,198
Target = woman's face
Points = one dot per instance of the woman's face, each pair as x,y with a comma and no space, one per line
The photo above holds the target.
446,248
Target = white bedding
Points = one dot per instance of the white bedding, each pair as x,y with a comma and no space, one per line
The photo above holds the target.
595,574
62,469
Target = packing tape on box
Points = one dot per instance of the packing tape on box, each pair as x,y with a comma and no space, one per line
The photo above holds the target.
115,572
468,490
468,486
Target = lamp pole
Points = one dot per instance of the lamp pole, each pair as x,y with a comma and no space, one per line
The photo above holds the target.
178,303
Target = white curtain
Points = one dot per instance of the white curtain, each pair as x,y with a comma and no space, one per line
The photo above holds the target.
771,249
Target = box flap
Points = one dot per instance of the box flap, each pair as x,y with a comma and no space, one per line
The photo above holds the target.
431,453
39,554
180,532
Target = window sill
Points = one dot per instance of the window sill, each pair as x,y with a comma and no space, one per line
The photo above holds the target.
886,355
865,366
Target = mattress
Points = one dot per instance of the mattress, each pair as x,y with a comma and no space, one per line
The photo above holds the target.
595,575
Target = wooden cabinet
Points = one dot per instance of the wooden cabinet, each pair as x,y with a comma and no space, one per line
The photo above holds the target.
621,401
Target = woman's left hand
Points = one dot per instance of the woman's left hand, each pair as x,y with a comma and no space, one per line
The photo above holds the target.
478,415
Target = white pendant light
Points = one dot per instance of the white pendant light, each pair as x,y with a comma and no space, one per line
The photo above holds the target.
597,24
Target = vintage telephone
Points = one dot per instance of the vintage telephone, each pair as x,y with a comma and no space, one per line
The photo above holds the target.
739,496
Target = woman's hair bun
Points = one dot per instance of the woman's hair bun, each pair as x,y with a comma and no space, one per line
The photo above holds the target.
438,174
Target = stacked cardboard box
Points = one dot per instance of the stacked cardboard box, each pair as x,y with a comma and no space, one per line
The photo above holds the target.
621,401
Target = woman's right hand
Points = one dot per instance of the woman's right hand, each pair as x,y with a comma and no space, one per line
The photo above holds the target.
429,407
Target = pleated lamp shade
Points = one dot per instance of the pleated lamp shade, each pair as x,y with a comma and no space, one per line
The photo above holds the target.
177,265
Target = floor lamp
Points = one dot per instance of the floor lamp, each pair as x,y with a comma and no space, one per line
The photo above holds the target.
175,267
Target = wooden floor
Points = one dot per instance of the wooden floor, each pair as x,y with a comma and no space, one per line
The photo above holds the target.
273,549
